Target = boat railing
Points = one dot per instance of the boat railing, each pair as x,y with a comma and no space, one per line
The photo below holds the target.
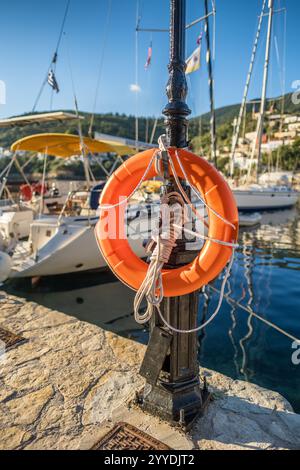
71,199
6,202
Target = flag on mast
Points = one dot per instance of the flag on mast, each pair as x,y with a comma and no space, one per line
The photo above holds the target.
149,57
193,62
199,38
52,81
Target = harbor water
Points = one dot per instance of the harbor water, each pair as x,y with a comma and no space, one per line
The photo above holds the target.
265,281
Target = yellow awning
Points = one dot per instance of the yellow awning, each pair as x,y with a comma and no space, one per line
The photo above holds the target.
66,145
121,149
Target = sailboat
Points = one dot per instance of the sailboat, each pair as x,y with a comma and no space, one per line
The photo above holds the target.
18,211
63,241
258,196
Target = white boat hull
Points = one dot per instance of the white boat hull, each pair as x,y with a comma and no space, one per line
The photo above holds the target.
253,200
73,248
250,220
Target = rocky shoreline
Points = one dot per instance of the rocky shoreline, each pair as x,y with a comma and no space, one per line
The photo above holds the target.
67,384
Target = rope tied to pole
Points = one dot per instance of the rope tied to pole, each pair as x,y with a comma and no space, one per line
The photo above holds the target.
164,238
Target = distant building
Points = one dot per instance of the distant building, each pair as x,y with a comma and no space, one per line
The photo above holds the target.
285,135
272,145
291,119
294,127
250,136
241,161
287,130
274,117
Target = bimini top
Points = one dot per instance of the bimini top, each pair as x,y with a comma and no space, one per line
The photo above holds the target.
28,119
67,145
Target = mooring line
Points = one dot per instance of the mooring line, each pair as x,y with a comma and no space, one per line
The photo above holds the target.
250,312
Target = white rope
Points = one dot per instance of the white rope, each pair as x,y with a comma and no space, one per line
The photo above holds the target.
165,239
125,200
162,146
152,287
184,195
256,315
204,237
213,316
227,222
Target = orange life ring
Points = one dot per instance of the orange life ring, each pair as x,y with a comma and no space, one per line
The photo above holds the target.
213,257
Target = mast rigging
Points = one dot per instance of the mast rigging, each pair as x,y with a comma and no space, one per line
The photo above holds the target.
54,58
211,86
243,109
260,122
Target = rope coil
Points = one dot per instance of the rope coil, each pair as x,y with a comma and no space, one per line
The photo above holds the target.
165,239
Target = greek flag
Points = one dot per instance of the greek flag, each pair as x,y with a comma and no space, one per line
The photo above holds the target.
52,81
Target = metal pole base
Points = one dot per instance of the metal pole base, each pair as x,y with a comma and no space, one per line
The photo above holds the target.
178,404
170,367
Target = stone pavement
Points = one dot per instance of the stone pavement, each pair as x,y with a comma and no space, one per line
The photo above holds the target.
71,381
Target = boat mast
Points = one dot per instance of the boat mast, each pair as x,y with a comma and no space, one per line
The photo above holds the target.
137,76
213,156
236,133
260,123
84,154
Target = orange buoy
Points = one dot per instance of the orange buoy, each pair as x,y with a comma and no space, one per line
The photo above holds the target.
222,213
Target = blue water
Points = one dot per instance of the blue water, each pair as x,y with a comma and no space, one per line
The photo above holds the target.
265,279
243,347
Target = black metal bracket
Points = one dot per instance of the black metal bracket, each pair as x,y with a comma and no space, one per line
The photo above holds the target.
156,353
165,164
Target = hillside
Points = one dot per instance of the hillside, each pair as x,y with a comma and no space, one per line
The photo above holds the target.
123,126
114,124
226,114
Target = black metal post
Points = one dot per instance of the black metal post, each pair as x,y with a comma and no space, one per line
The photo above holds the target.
170,366
176,111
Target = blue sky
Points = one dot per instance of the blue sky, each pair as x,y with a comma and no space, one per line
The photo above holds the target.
29,32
